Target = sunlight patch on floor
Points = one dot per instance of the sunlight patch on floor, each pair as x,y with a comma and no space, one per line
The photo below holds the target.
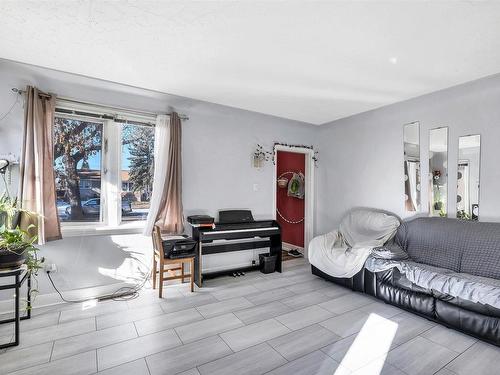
90,304
124,273
373,342
129,271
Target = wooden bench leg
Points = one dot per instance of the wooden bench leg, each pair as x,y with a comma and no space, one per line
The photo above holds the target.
153,272
182,272
160,288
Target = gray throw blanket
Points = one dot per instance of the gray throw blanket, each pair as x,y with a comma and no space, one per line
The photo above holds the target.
462,285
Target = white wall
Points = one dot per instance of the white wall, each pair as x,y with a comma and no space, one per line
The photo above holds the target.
217,145
361,157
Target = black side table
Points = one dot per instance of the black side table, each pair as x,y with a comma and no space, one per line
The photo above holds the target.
20,275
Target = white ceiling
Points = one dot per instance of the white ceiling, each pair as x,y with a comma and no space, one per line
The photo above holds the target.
309,61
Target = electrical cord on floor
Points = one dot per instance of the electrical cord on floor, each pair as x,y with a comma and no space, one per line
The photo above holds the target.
125,293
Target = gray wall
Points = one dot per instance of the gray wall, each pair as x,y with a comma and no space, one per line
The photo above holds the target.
217,145
361,157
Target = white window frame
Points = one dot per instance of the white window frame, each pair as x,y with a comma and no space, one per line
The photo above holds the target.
111,183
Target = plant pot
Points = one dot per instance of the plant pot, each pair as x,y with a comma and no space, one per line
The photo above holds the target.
10,259
258,161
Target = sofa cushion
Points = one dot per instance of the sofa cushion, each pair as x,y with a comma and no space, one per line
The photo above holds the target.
462,246
433,241
481,257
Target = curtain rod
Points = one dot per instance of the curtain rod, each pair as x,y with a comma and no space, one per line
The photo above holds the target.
133,111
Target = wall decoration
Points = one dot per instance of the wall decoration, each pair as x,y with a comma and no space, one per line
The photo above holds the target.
315,154
282,182
260,156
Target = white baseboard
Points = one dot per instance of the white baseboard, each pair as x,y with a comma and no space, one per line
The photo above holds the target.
50,299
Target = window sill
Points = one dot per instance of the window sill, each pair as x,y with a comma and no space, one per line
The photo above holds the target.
91,229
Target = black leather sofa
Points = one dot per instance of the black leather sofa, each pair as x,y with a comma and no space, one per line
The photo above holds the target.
460,247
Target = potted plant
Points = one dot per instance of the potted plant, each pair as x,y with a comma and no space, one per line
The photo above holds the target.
282,182
16,248
16,245
10,214
463,215
260,156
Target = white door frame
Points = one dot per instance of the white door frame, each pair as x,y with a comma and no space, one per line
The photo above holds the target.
309,188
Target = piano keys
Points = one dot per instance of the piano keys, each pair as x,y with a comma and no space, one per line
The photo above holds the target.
236,231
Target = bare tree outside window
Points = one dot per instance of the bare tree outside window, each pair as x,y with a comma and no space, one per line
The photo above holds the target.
137,171
77,165
78,148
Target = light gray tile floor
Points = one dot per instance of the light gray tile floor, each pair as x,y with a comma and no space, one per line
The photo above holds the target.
297,343
288,323
218,308
138,367
346,325
420,356
205,328
260,312
92,340
304,317
257,359
188,356
253,334
303,300
125,351
166,321
316,363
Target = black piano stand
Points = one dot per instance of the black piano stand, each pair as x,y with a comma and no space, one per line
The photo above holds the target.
20,276
204,236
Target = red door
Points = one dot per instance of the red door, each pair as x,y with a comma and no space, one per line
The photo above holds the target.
291,210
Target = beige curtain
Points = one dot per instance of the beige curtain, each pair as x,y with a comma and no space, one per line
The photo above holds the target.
170,216
37,185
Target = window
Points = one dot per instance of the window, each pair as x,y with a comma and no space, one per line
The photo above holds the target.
103,167
137,171
77,165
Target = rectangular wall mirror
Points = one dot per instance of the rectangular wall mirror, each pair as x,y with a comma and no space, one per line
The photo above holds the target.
411,143
469,164
438,172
